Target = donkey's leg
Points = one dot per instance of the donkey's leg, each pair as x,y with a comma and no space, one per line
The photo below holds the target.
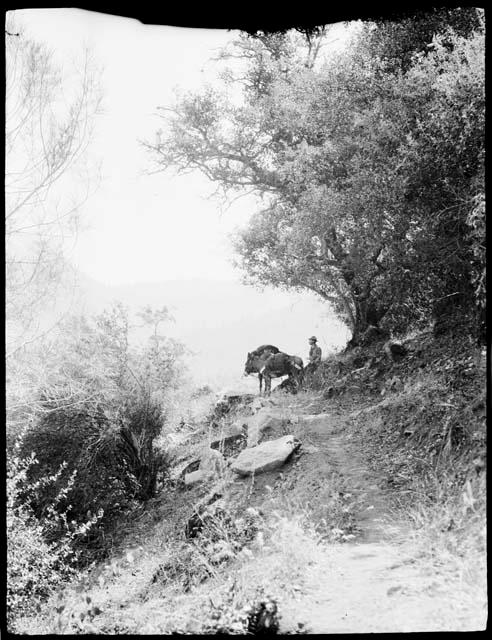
293,378
300,379
294,382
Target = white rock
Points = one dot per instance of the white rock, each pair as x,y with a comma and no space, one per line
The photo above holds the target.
260,422
194,477
265,456
212,462
231,434
212,466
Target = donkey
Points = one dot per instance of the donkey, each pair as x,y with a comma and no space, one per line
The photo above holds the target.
273,365
257,358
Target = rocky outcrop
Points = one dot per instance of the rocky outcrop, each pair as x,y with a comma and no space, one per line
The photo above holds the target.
230,401
266,456
237,428
231,440
265,420
194,477
212,461
212,466
184,467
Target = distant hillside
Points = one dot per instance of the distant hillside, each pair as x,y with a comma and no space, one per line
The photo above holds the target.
221,321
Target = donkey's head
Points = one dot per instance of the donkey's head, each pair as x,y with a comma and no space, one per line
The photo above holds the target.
250,367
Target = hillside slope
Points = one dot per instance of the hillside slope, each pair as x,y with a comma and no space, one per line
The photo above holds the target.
354,533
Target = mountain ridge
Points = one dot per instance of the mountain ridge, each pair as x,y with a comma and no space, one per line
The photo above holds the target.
220,321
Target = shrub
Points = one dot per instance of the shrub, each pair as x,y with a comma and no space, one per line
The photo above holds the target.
88,457
92,428
113,457
35,566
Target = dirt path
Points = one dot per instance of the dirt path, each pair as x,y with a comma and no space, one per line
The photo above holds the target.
374,518
374,583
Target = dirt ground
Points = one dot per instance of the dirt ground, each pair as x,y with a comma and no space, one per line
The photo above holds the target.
350,567
372,579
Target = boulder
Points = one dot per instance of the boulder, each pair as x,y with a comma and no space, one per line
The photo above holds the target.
212,466
226,440
260,422
265,457
184,467
231,441
212,462
230,400
235,430
195,476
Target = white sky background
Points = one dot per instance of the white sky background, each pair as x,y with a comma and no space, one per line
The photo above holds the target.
139,227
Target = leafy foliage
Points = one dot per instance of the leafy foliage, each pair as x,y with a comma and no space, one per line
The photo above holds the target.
36,566
397,41
99,414
49,124
369,161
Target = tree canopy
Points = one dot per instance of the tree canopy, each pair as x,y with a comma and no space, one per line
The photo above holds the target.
368,164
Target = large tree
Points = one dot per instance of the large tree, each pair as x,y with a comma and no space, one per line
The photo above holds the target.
368,171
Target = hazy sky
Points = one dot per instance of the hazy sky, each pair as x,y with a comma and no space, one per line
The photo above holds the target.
140,227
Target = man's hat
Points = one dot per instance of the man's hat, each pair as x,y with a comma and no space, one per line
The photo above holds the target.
313,338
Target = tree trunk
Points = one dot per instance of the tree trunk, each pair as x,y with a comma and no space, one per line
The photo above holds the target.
367,316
